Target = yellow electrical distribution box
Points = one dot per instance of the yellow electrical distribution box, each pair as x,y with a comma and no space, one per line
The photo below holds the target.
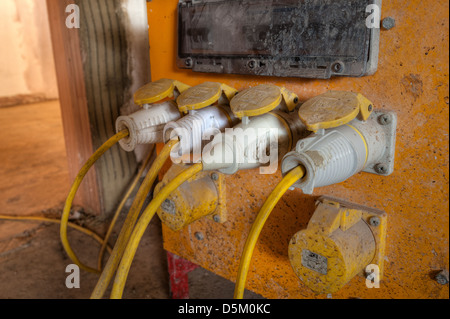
411,81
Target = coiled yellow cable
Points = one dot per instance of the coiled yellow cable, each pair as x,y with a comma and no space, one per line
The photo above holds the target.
141,226
121,205
287,181
57,221
130,221
73,190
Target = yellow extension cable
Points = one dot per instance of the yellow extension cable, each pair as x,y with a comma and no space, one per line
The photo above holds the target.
57,221
103,242
73,190
141,226
121,205
127,228
287,181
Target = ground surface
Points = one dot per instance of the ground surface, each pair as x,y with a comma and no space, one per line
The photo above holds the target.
34,181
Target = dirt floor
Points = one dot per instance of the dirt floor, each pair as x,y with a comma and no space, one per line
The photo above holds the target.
35,268
34,181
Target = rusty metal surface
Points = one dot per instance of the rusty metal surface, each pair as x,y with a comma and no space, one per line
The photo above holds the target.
412,80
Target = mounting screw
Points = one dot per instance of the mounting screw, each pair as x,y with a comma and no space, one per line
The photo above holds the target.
370,108
214,176
251,64
337,67
169,206
385,119
381,168
188,62
442,277
216,218
374,221
388,23
199,235
296,100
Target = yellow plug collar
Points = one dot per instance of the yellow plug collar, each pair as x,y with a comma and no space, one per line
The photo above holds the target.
262,99
203,95
158,90
333,109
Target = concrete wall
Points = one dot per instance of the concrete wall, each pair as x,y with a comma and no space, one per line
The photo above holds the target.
27,72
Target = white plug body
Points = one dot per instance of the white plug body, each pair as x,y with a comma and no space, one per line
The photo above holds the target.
146,125
331,156
257,142
192,129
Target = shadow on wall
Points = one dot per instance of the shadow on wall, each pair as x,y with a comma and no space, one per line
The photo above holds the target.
27,71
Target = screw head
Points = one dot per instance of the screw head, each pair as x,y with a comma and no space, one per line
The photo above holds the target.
442,277
381,168
385,119
169,206
216,218
214,176
188,62
199,236
374,221
370,108
337,67
251,64
388,23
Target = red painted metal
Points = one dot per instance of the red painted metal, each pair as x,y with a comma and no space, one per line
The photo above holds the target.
178,274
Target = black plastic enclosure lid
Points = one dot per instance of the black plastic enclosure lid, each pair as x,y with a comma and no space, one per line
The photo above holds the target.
286,38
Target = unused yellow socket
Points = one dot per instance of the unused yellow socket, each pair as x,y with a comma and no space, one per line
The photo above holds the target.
338,244
333,109
201,196
158,90
262,99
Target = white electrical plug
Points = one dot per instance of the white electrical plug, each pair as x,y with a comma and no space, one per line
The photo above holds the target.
194,129
256,142
146,125
333,155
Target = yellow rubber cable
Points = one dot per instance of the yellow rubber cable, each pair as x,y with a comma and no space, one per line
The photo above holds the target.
293,176
121,205
57,221
141,226
73,190
128,225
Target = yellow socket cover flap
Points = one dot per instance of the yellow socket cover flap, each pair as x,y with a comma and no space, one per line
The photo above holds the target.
333,109
261,99
203,95
158,90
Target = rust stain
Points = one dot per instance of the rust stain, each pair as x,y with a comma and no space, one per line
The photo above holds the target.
413,85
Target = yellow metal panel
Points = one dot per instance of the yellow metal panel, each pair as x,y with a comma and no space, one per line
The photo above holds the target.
412,80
